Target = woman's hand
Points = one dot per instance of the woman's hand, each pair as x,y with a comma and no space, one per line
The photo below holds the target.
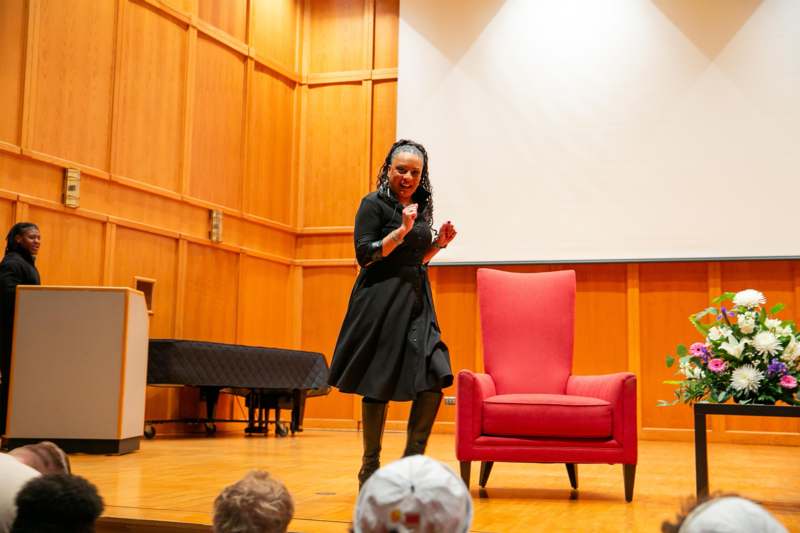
409,216
446,234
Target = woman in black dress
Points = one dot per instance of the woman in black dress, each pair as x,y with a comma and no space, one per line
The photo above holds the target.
17,268
390,346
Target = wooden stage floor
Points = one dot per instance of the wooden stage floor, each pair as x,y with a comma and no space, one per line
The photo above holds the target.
177,479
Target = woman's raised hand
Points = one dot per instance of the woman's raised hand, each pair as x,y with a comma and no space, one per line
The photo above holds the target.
446,234
409,216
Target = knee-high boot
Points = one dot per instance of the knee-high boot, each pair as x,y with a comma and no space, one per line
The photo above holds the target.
420,421
373,419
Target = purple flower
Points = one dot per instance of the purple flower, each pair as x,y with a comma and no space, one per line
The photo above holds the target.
776,368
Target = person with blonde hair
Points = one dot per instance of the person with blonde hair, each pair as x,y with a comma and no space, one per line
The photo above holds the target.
257,503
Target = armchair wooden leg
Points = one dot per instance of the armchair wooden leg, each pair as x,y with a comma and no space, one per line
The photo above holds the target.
486,469
465,471
572,472
629,471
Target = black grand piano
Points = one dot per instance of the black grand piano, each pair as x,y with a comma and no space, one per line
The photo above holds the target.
268,378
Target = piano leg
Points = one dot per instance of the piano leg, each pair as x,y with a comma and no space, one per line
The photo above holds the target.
210,395
298,408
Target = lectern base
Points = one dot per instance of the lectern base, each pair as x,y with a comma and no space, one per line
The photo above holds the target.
92,446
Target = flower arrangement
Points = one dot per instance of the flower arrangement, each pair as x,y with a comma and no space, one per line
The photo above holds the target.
747,355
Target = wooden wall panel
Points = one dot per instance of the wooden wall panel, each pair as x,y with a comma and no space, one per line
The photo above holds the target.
13,21
29,177
73,81
335,139
387,27
265,293
257,237
137,253
669,293
230,16
336,41
325,247
269,177
384,125
456,300
326,291
183,6
776,280
148,141
275,30
7,210
600,319
72,248
211,294
217,147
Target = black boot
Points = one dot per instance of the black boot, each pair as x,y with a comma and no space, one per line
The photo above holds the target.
420,421
373,419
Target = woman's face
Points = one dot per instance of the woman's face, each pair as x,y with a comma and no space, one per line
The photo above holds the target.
404,175
30,239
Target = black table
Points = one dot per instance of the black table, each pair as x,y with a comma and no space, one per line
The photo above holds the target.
269,378
700,444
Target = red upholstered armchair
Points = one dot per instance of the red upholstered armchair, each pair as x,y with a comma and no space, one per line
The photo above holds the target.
528,407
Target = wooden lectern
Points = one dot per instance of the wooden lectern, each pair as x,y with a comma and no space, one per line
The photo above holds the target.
78,368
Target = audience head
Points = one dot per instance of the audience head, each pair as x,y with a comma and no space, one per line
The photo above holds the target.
416,493
43,456
257,503
724,514
24,236
57,503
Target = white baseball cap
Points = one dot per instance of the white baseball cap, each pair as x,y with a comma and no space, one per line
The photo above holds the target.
731,515
413,494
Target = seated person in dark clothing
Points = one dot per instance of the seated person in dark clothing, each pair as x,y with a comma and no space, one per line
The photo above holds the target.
60,503
17,268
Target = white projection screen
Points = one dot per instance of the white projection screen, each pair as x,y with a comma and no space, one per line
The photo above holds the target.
613,130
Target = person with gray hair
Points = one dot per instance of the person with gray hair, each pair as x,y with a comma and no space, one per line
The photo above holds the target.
257,503
390,345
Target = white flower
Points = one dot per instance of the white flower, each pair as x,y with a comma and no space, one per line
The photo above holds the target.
717,333
791,352
691,371
714,334
749,298
746,378
747,323
783,331
773,323
734,348
766,343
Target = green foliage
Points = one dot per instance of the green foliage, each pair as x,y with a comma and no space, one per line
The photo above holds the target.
725,296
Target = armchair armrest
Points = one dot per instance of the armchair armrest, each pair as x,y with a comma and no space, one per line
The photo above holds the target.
620,391
473,389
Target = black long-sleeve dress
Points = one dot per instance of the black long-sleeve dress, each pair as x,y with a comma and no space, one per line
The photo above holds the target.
390,345
16,268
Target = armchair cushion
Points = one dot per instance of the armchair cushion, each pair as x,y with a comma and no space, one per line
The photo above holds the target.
547,415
